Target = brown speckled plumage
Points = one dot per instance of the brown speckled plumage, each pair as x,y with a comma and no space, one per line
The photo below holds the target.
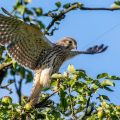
30,48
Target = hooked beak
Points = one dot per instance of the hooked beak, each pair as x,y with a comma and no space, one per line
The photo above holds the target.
75,47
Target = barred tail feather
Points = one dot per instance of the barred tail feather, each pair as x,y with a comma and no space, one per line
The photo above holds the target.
41,79
36,88
34,96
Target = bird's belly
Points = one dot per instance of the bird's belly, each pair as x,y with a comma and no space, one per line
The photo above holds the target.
45,77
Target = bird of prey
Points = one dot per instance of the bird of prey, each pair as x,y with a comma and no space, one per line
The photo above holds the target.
30,48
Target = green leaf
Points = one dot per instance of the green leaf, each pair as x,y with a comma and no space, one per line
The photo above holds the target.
29,12
58,4
71,82
81,98
53,83
94,86
38,11
79,84
42,26
82,74
114,78
55,114
21,9
106,83
29,77
67,5
103,75
107,76
14,65
57,76
63,102
115,6
117,2
21,72
105,97
108,89
27,1
7,59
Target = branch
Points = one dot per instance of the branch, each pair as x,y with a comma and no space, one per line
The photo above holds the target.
52,31
6,86
5,65
2,70
61,15
42,103
108,9
2,75
87,106
71,106
18,88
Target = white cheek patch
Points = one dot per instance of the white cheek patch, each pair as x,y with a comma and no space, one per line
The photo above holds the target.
45,77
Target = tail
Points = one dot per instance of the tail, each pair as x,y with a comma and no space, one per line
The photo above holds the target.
36,88
41,79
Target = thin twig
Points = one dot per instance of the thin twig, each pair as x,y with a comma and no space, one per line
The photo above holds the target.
18,88
6,87
2,75
40,104
52,31
87,105
61,15
71,104
108,9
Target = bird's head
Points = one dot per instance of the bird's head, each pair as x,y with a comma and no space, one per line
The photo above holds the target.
68,43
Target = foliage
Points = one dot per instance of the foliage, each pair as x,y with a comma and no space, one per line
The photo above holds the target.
74,88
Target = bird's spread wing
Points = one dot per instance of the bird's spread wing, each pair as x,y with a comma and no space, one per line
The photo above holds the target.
92,50
95,49
25,43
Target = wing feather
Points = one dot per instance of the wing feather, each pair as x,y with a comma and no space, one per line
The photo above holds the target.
25,43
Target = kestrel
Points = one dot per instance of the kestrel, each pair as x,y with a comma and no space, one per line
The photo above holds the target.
28,46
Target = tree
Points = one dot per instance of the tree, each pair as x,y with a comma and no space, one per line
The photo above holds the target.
74,88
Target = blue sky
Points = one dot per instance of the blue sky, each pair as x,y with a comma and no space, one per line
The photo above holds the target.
88,28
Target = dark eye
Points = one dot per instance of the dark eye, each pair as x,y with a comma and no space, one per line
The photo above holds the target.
70,42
